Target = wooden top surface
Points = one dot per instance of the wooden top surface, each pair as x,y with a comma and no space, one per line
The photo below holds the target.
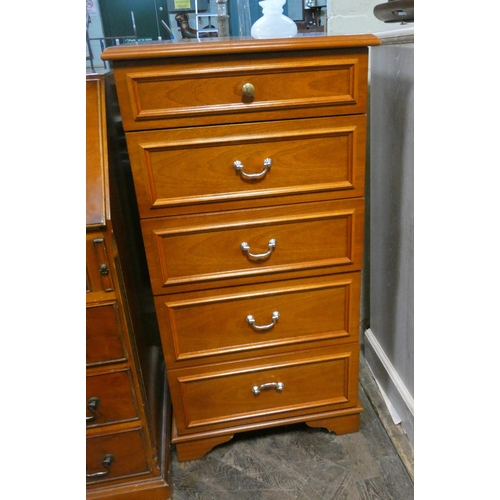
234,45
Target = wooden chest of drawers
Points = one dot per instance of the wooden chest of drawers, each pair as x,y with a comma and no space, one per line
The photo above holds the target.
126,457
248,161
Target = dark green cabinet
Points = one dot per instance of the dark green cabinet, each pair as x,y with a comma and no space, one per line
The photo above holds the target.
117,19
117,22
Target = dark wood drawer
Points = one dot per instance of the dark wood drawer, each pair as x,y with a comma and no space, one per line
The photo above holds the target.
115,398
222,395
207,249
129,456
195,91
193,169
212,326
105,335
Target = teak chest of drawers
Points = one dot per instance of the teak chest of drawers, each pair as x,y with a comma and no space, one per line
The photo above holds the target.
125,456
248,161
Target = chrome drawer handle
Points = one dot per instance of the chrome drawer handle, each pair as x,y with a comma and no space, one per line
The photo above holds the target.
238,166
251,322
276,385
259,256
106,463
92,407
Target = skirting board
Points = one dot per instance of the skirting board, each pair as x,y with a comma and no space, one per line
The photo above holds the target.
390,382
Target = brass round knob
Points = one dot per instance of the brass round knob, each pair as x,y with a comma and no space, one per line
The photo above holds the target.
248,89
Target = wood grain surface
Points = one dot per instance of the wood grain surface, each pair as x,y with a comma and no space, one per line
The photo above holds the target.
297,462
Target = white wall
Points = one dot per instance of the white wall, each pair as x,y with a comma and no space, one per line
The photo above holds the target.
348,17
389,340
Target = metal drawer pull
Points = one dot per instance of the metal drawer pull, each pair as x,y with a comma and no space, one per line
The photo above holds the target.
247,89
106,463
277,385
238,166
251,322
259,256
92,407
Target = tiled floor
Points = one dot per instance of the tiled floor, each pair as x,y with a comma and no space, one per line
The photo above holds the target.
301,463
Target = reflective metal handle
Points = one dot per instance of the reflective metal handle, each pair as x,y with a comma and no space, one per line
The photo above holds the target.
251,322
259,256
248,89
92,407
106,463
238,166
276,385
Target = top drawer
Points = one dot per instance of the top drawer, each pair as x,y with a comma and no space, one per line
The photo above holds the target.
180,92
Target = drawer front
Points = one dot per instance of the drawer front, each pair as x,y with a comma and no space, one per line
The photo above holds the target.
228,394
195,91
235,323
96,152
99,273
193,169
105,335
253,244
110,398
129,456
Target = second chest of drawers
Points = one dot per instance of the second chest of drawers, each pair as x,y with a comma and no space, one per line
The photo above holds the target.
126,415
248,163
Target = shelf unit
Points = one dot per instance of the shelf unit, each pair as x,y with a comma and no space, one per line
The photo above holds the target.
205,16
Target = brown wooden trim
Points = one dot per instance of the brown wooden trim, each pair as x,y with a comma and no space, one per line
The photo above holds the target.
235,45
